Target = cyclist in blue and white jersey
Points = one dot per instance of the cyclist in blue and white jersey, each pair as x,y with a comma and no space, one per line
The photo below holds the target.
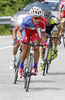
15,36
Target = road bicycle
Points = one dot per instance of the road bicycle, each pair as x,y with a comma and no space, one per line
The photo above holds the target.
61,22
27,71
49,53
16,67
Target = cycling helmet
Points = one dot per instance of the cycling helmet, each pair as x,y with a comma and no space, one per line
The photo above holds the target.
47,15
36,11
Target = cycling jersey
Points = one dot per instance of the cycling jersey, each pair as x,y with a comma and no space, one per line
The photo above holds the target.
19,21
31,28
62,6
53,22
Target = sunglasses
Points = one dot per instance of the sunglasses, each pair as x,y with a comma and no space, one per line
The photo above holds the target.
37,18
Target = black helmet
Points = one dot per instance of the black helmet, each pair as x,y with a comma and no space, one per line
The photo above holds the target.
47,15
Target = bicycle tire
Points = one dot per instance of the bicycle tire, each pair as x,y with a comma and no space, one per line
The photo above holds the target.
16,76
44,70
25,82
28,73
25,77
46,56
28,82
48,64
64,39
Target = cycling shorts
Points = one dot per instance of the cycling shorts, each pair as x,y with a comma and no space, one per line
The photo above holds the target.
63,16
34,36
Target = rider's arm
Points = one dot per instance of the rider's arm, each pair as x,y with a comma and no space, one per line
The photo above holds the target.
43,35
15,32
20,32
59,14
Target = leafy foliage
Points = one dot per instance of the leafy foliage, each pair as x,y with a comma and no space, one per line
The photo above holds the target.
8,8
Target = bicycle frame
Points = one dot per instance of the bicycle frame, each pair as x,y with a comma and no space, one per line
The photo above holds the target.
50,45
27,72
17,66
28,69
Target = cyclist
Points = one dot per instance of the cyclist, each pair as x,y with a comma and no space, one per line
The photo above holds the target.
15,37
30,24
52,28
61,14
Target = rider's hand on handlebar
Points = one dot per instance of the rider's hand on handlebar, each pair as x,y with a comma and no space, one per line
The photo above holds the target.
15,41
45,44
20,41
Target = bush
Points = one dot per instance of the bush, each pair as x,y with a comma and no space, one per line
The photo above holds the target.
5,30
8,8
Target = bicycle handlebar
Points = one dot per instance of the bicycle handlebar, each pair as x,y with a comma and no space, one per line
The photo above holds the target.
50,36
32,44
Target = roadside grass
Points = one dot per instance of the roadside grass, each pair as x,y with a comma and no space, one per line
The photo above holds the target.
5,30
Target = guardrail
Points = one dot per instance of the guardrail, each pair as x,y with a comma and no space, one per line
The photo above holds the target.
5,20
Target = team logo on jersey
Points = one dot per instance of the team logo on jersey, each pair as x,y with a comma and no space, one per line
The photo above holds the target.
36,34
26,38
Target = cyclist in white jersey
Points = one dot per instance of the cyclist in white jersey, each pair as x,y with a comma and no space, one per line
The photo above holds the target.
15,36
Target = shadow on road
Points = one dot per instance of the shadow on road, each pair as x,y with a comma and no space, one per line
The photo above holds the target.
58,73
45,88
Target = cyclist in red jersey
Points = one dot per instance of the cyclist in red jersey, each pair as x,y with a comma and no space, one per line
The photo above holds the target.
31,23
61,14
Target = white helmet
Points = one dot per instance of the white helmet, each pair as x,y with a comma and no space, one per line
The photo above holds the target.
36,11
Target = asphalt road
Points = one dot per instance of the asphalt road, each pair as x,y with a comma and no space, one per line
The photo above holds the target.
48,87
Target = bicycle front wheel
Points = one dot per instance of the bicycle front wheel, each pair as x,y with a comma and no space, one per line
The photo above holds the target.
48,64
16,75
28,81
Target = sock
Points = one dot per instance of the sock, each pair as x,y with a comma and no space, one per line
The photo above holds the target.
14,58
35,65
21,65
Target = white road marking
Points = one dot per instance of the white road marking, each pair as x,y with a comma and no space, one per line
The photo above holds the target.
6,47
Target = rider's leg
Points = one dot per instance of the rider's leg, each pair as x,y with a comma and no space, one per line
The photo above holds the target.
15,49
36,56
25,51
55,53
56,34
42,58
